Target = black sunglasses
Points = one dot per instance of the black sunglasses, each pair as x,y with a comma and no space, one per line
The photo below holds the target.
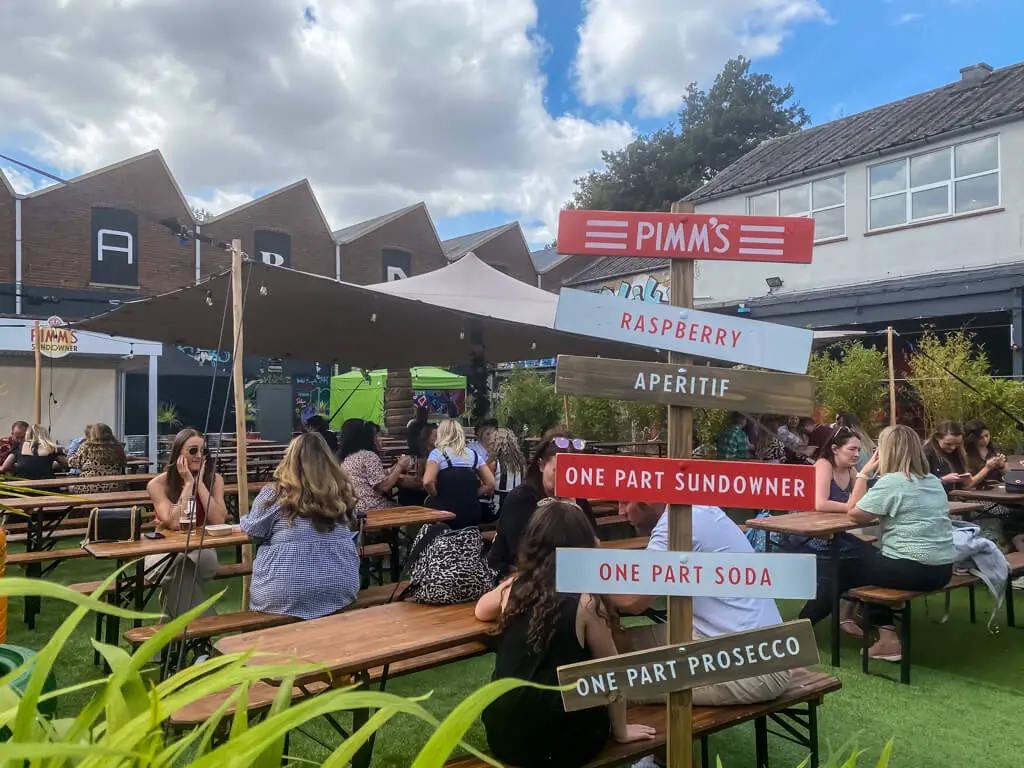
195,450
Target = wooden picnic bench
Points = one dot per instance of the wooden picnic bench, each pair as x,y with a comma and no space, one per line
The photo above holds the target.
807,689
899,602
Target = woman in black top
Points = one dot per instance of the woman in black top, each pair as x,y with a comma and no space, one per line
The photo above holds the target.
518,507
946,457
542,630
985,461
39,457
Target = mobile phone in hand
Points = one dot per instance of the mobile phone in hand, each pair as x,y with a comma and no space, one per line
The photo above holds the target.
153,535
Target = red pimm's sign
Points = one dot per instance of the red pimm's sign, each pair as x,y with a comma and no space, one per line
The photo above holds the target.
743,484
782,239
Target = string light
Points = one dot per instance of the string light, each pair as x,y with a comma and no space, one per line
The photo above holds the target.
209,298
373,317
263,290
462,335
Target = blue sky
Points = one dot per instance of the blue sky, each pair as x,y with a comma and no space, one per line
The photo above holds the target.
871,52
842,56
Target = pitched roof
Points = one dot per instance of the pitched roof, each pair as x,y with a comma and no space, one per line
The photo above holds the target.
457,247
547,259
353,232
295,185
615,266
965,105
5,183
155,154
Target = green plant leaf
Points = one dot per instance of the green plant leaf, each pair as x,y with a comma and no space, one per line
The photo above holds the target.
441,743
240,719
16,586
344,754
883,761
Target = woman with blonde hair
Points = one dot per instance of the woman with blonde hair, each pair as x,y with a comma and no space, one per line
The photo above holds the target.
101,455
39,458
307,565
457,476
916,537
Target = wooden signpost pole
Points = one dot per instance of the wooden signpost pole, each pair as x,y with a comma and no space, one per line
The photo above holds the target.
680,528
241,470
38,412
892,383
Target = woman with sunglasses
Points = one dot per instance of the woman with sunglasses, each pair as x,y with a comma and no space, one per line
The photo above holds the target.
538,484
835,474
188,494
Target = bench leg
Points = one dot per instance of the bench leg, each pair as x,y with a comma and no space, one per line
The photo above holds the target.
835,564
865,628
99,639
971,604
904,621
812,732
705,753
761,742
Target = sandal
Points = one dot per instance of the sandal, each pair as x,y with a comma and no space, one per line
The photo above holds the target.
851,627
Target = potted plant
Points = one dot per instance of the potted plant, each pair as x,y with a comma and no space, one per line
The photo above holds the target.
167,418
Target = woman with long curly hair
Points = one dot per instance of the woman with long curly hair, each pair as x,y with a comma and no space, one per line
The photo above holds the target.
307,564
509,467
541,630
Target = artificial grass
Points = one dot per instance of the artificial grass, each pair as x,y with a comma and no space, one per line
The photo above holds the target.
963,708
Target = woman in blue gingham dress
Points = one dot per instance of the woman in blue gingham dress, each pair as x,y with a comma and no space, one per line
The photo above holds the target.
307,564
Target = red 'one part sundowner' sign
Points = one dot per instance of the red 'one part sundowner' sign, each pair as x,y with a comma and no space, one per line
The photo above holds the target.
743,484
784,239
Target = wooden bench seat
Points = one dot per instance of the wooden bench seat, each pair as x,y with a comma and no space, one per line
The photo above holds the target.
637,542
606,520
375,551
900,600
44,556
72,533
261,694
807,687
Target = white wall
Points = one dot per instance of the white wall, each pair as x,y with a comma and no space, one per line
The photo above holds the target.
84,396
959,243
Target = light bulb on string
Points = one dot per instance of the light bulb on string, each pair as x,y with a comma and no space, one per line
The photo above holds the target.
209,298
263,290
373,317
462,335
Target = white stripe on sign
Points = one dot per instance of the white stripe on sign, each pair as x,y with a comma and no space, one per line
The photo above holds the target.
603,223
762,251
765,240
615,246
760,228
615,235
697,574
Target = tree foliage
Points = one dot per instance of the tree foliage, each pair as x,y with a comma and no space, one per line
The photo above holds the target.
714,129
946,399
529,404
850,377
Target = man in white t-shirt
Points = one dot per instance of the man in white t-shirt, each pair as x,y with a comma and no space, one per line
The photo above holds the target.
713,531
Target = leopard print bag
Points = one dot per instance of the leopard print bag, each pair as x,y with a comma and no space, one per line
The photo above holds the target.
447,567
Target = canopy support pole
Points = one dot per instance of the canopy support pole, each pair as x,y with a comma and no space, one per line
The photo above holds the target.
238,379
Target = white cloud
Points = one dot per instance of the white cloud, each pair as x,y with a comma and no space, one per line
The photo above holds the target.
379,102
23,181
906,18
651,50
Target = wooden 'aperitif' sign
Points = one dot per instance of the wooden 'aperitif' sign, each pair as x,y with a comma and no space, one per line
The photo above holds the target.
694,386
681,667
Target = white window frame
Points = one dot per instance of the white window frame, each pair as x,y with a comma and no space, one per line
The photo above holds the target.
950,184
811,210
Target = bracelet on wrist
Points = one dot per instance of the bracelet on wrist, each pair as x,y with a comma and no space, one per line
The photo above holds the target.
863,476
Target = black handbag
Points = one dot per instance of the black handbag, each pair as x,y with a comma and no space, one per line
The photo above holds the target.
1014,479
117,524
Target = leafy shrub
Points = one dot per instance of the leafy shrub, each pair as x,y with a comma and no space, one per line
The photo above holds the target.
944,398
850,377
529,403
597,419
708,424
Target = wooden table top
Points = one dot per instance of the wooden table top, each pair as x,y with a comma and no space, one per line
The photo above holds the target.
397,517
349,643
66,480
172,542
965,507
108,499
823,525
997,495
813,524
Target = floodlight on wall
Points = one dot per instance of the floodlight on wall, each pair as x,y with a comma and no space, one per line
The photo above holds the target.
774,283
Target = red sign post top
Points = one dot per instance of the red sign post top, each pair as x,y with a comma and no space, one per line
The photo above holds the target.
743,484
782,239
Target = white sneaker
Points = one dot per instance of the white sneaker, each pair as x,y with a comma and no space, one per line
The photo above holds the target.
1018,583
647,762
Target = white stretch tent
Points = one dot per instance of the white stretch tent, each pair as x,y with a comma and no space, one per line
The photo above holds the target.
470,285
87,384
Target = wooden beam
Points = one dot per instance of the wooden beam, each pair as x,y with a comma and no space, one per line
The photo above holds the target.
38,412
238,379
680,528
892,383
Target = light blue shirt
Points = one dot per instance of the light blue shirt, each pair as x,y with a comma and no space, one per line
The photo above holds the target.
913,514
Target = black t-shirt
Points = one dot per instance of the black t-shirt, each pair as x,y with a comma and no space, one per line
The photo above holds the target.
332,440
516,512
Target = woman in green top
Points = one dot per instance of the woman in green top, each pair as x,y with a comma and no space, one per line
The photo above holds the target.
916,542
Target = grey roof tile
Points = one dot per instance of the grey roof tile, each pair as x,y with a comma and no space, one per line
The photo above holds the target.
615,266
959,106
355,231
457,247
